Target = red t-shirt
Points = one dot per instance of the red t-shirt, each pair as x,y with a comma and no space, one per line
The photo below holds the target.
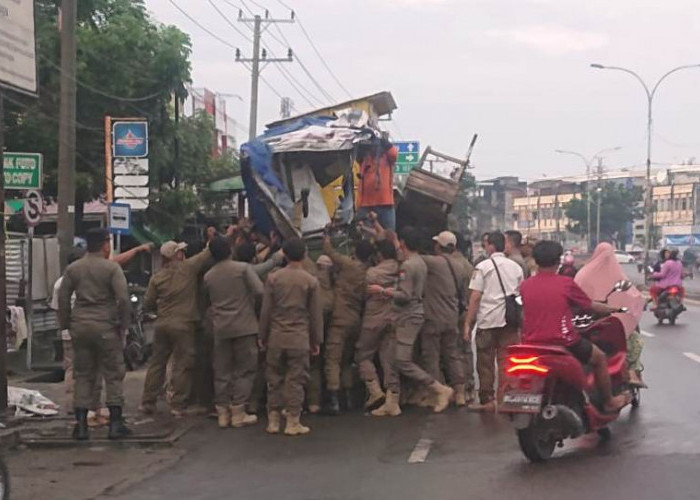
377,182
548,300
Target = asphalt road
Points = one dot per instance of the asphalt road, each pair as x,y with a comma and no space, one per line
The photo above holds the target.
654,453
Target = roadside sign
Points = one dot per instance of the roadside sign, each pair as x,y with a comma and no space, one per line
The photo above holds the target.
130,139
33,207
119,218
18,48
409,156
23,170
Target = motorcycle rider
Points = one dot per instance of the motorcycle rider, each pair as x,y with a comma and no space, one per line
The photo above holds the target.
548,302
670,274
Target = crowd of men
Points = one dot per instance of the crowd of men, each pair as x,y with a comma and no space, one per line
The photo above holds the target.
282,331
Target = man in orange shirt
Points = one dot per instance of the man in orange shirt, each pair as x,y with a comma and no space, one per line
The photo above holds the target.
376,189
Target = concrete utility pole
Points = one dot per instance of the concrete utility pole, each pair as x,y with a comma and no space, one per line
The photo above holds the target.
3,292
599,189
259,25
66,132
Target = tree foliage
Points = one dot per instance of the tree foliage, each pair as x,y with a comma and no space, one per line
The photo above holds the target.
619,206
128,65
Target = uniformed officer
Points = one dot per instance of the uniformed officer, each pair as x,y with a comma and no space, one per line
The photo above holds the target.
346,319
465,346
444,294
377,325
291,328
408,302
97,322
173,294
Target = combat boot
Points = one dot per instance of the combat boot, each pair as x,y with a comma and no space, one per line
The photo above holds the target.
333,407
460,395
223,416
117,429
273,422
80,431
294,427
375,395
390,408
239,417
444,395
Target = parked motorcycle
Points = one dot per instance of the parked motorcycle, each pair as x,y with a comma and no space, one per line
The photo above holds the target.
550,396
137,348
670,304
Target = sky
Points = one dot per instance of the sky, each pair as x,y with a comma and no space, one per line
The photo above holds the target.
517,72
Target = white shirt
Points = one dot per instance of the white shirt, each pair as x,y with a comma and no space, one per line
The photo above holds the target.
65,334
492,308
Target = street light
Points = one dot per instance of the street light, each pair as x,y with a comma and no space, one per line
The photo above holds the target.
650,99
588,162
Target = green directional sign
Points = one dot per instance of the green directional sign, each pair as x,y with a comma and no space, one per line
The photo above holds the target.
409,156
404,168
23,170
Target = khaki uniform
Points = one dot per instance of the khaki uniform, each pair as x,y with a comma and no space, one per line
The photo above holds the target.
465,348
314,392
232,289
173,294
408,307
346,319
98,318
491,345
440,331
377,324
291,321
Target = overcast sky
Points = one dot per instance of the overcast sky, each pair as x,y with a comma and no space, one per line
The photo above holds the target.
515,71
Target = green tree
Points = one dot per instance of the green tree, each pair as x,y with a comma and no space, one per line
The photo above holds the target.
618,206
128,65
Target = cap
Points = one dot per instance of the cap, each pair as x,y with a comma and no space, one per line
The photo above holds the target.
445,239
171,248
324,260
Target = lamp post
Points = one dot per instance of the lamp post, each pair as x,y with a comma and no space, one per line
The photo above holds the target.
588,162
651,93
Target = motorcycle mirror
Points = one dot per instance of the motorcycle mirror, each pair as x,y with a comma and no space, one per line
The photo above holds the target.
622,286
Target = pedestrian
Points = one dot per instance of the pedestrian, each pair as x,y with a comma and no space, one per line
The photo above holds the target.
494,279
409,314
291,328
324,273
483,254
443,304
346,320
68,357
377,326
514,240
465,347
173,294
232,290
97,324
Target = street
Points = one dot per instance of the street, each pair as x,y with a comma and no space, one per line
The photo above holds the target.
654,452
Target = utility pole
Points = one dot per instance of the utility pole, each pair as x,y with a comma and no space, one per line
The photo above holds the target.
3,292
600,200
260,24
66,132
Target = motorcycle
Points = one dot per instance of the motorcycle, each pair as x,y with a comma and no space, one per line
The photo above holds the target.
550,396
137,348
670,304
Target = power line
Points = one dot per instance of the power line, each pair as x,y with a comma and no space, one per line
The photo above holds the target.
230,23
291,79
318,52
200,26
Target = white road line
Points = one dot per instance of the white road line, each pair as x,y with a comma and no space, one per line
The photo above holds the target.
647,334
420,452
693,356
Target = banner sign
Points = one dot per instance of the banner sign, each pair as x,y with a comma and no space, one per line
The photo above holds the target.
130,139
18,46
23,170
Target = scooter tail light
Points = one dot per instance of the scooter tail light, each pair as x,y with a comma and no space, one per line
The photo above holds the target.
526,365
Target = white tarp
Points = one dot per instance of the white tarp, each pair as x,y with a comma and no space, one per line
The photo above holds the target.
27,401
303,178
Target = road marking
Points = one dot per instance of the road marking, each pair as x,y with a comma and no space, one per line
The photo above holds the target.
690,355
647,334
420,452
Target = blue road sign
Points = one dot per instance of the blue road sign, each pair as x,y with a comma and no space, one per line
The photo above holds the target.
120,218
408,146
130,139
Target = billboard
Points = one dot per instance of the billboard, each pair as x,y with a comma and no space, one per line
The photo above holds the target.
17,46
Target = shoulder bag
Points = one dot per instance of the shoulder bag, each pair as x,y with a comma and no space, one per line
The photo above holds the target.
514,311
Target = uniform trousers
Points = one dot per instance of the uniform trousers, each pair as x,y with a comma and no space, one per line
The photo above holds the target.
97,353
287,373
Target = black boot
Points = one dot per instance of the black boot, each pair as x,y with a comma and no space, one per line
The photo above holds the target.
117,429
349,399
80,431
333,407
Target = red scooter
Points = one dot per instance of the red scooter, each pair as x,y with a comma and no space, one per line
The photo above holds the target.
550,396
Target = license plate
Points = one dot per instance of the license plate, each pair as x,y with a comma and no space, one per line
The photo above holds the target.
521,403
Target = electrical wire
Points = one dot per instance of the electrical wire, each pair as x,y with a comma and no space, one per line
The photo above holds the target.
200,26
229,22
318,52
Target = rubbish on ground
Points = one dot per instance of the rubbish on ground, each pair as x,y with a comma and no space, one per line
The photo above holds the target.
28,402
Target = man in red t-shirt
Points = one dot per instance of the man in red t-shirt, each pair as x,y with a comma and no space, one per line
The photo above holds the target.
548,303
376,190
